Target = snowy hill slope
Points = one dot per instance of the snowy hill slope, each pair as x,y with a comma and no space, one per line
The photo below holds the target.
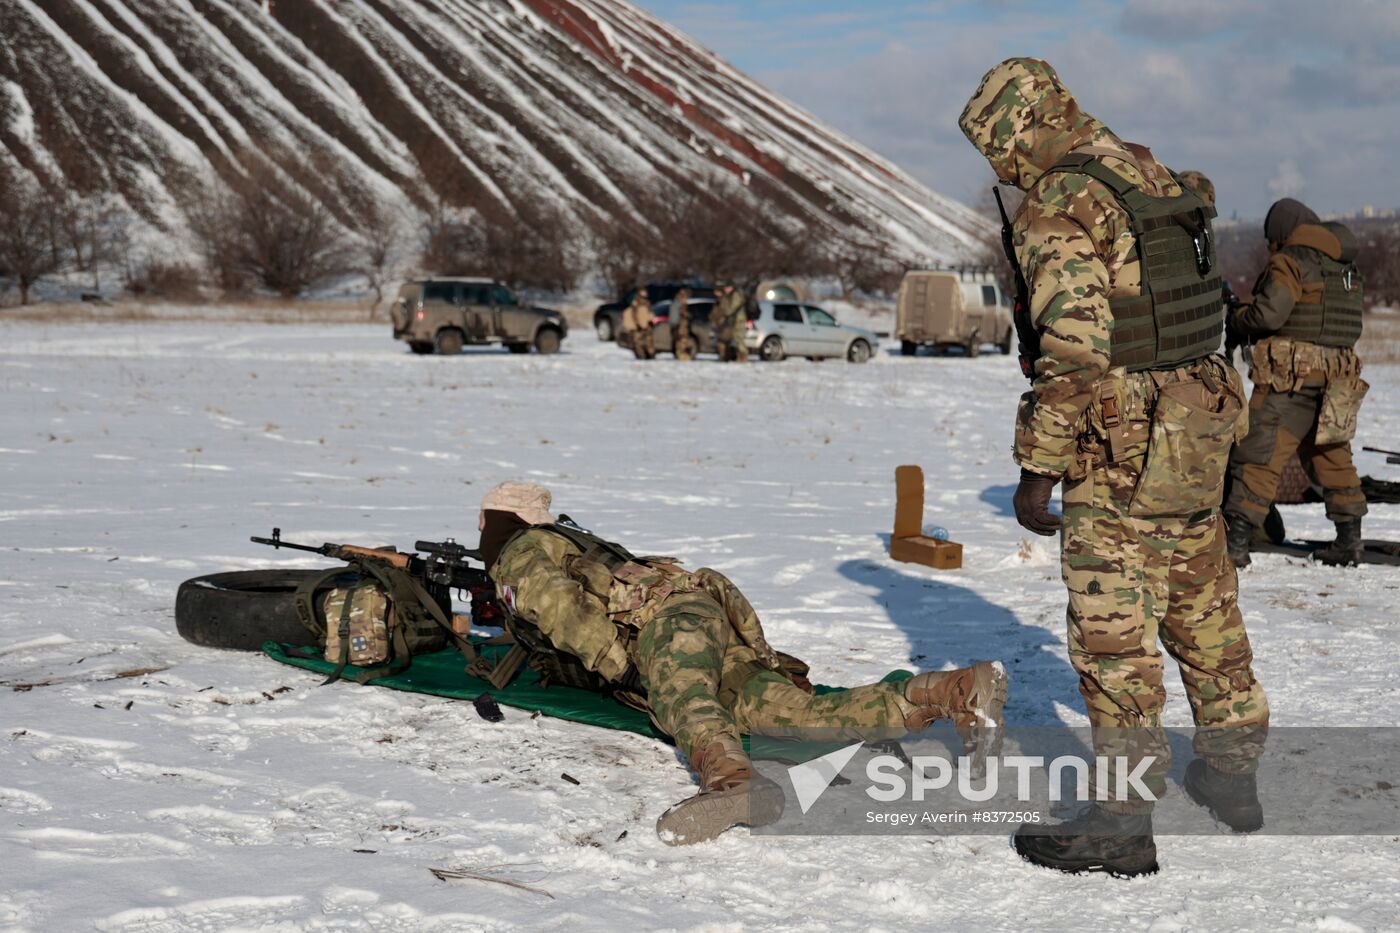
586,104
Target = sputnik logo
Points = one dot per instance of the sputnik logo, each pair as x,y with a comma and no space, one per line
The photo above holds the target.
811,778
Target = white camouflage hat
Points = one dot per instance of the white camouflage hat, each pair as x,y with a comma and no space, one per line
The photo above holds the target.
528,500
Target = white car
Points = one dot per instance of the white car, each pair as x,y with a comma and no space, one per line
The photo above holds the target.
785,329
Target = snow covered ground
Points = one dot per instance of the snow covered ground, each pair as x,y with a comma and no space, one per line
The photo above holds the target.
225,791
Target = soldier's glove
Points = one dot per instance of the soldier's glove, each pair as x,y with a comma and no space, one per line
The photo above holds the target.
631,679
1032,503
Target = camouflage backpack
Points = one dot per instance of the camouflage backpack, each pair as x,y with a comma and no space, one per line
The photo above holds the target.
373,617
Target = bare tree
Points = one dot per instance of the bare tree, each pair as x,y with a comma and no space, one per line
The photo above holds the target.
381,251
91,229
262,229
31,245
532,247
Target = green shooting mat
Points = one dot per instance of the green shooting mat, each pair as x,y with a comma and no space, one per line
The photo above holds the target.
441,674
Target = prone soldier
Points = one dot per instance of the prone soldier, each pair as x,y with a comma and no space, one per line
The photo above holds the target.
688,647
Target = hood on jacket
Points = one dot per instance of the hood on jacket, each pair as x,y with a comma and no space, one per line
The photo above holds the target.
1024,121
1320,237
1285,216
1346,240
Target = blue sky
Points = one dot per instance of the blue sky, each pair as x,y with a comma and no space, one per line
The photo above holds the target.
1267,97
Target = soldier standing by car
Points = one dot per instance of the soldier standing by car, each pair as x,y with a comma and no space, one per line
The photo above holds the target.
1134,409
1304,321
636,322
682,340
729,321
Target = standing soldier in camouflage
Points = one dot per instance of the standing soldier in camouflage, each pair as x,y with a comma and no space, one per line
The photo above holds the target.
682,340
1134,410
1303,321
730,322
688,648
643,346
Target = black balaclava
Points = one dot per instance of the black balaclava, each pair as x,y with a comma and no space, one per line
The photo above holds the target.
500,528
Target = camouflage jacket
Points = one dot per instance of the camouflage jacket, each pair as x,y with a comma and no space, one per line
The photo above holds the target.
1075,245
583,607
727,314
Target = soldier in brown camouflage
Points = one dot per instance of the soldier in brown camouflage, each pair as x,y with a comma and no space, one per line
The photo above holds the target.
637,320
1304,321
1134,410
682,340
692,645
730,322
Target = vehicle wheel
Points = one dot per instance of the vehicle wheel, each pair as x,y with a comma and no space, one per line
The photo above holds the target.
518,347
858,352
604,328
421,347
974,348
449,342
908,348
243,609
1005,345
547,341
772,350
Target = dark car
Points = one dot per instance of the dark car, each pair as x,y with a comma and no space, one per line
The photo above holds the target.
441,315
607,320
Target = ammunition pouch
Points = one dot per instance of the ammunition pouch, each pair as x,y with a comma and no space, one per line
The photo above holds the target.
1341,403
1194,424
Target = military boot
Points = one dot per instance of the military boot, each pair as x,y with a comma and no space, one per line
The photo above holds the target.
969,696
1238,533
1233,799
1095,840
972,697
731,794
1346,550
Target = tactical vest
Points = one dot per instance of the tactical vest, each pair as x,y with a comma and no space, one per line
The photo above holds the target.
560,667
1336,322
1179,316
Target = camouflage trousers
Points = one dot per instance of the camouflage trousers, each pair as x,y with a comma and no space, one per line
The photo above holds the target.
1134,581
706,685
644,343
1281,424
682,341
731,348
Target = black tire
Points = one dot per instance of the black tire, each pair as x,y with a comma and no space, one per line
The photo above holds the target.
1005,345
603,326
858,352
547,341
772,350
518,347
908,348
242,609
449,342
421,347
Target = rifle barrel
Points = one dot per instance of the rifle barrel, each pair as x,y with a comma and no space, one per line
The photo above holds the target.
279,543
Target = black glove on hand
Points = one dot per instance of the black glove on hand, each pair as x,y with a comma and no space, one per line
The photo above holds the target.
631,680
1032,503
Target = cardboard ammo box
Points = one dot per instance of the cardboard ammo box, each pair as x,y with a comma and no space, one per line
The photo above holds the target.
909,544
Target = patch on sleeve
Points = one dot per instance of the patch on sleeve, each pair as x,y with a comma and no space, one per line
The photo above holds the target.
506,594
